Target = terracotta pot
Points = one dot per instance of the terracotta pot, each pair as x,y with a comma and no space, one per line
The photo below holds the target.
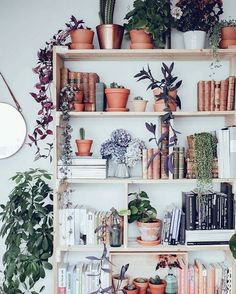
139,105
135,291
224,44
141,46
142,287
82,36
157,289
117,98
79,106
150,231
79,96
140,36
159,105
110,36
115,281
84,146
81,46
228,33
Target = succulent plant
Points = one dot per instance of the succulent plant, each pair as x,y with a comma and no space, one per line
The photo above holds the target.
156,280
131,287
82,133
116,86
138,98
141,280
106,11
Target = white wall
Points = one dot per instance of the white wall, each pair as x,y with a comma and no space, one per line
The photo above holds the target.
25,25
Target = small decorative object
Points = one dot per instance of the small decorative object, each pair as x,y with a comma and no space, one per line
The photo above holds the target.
139,104
115,230
165,91
146,217
109,35
141,284
123,150
83,145
117,97
156,285
149,24
196,19
81,36
131,289
171,282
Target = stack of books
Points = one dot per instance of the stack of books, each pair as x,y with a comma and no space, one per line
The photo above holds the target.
216,95
227,152
210,278
81,278
85,167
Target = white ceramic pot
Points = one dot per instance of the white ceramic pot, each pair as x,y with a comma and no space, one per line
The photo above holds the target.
194,39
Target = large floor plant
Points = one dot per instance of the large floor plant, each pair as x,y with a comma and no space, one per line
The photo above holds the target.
28,227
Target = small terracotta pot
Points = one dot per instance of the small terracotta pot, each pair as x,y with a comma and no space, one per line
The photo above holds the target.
81,46
117,98
115,281
82,36
158,289
79,106
84,146
142,287
135,291
110,36
224,44
150,231
139,105
79,96
159,105
141,46
140,36
228,33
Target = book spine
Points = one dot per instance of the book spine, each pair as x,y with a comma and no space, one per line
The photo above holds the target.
89,106
223,94
217,96
207,97
156,165
64,77
181,162
201,96
85,78
93,79
230,93
61,280
213,95
144,163
150,163
176,162
71,79
100,97
164,155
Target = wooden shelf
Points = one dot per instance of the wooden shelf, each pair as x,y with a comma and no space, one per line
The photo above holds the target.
141,54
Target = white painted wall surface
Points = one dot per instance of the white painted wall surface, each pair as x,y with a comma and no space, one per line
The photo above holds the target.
25,25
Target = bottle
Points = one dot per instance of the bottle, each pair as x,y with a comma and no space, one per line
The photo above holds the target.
115,232
171,282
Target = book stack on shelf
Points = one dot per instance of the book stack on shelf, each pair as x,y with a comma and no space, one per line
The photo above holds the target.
85,167
77,226
210,278
209,218
81,278
216,95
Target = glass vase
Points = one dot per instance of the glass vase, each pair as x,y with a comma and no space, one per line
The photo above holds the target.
122,171
171,282
115,235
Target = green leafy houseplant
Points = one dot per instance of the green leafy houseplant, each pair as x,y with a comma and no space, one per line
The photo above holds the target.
153,16
27,227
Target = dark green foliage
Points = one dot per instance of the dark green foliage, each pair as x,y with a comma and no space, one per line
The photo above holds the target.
156,280
28,229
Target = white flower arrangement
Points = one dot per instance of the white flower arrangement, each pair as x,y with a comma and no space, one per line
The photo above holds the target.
176,12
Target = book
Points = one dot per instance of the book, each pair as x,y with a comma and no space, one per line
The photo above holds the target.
176,162
69,279
156,166
150,168
206,236
217,96
100,97
231,91
232,151
144,163
86,160
191,279
181,162
201,95
93,79
207,96
212,104
64,77
62,273
189,208
224,85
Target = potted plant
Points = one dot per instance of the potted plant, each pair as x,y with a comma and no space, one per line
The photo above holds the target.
139,104
157,285
131,289
79,95
119,282
83,145
148,24
195,19
109,35
117,97
141,284
165,90
81,36
145,215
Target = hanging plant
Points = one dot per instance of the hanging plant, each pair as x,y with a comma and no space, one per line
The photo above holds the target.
205,146
28,227
42,95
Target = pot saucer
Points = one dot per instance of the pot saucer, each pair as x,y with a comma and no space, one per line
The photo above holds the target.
81,46
148,243
117,109
83,154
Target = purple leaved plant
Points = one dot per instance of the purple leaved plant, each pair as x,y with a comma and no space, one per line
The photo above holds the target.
75,24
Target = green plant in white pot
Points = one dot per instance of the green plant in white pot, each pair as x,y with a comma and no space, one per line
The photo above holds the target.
145,215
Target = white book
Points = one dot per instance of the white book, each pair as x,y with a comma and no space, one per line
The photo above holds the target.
62,227
70,225
69,279
77,226
232,151
208,235
226,153
78,283
86,160
96,222
83,222
90,227
62,270
220,154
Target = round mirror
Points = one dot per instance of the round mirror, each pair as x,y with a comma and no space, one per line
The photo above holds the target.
12,130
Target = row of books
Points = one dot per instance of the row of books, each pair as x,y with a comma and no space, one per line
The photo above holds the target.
85,168
77,226
209,211
81,278
216,95
227,152
210,278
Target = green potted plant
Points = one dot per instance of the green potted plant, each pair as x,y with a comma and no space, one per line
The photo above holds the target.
109,35
141,284
148,24
195,19
81,36
117,97
139,104
145,215
157,285
165,90
83,145
131,289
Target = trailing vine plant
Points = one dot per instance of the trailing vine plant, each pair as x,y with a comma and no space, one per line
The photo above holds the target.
28,229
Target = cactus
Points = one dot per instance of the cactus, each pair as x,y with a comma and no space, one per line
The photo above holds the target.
116,86
156,280
106,12
82,133
131,287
